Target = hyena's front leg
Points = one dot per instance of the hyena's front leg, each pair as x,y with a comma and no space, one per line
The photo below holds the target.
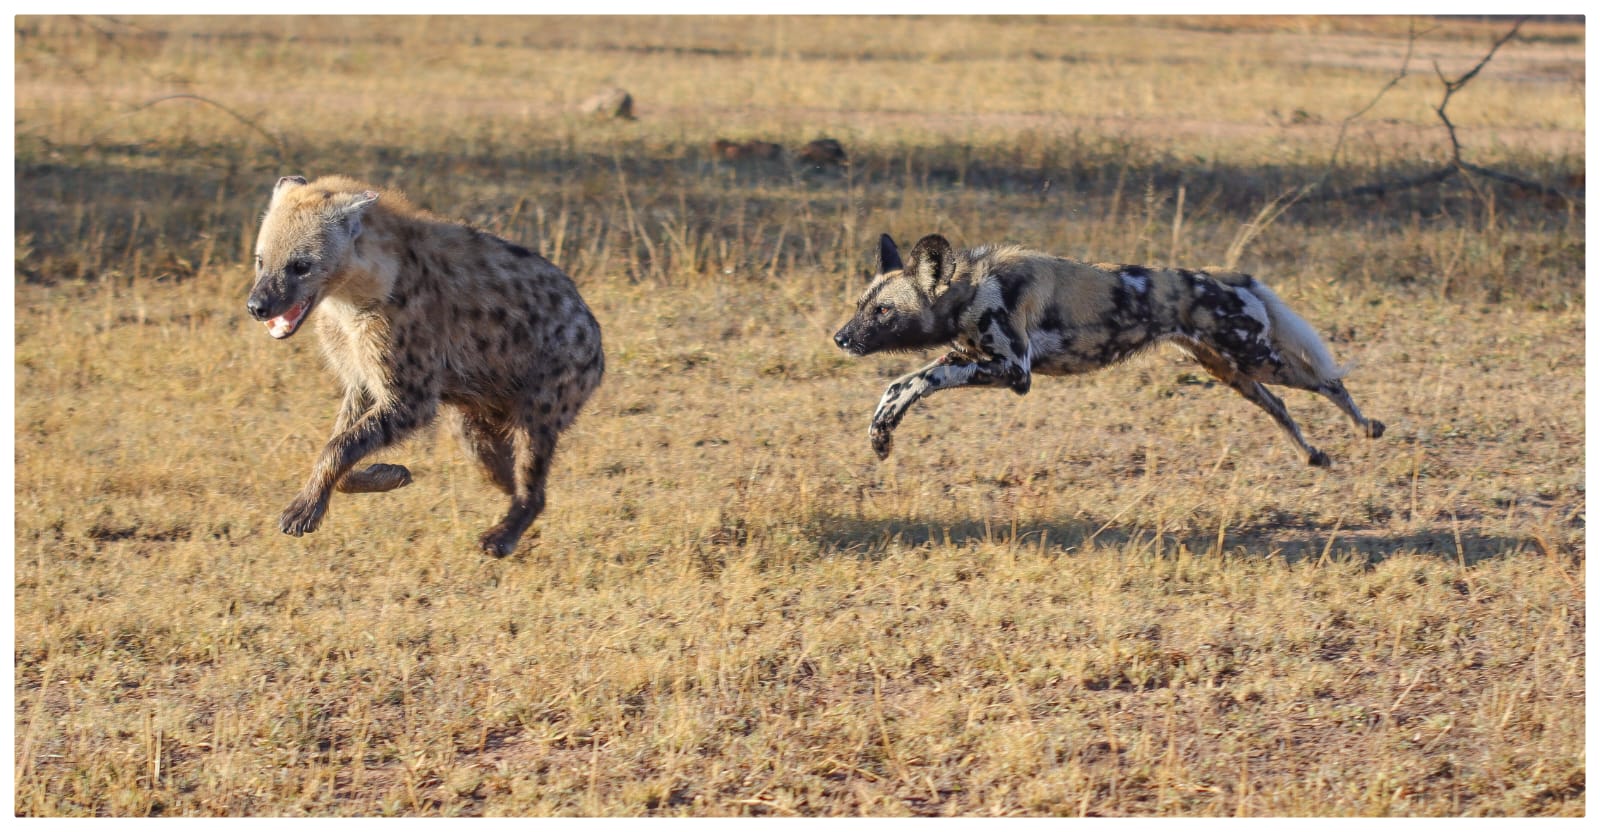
380,427
373,478
945,373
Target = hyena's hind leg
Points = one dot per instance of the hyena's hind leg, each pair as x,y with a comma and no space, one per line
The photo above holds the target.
533,446
375,478
489,443
1255,392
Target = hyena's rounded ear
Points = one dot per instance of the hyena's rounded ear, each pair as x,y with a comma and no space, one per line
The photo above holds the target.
888,255
353,209
360,201
286,184
933,261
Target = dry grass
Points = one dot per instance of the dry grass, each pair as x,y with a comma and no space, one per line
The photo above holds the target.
1115,596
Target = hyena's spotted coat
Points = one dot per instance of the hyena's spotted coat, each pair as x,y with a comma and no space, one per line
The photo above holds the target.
417,312
1009,313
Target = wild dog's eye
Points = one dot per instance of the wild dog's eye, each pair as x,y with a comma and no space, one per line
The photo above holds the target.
880,311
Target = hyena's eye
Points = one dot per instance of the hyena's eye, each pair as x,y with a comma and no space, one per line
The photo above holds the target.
880,311
297,268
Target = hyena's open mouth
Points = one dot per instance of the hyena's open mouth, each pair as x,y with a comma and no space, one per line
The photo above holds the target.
285,325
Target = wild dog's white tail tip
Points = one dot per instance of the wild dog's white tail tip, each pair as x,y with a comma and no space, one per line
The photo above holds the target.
1295,338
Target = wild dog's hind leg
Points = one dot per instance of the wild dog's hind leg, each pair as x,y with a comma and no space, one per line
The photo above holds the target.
1334,390
533,445
373,478
1255,392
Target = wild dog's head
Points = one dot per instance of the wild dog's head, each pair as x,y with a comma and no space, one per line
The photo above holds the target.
907,306
306,237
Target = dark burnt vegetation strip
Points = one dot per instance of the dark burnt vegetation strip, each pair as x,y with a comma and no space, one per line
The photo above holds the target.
205,199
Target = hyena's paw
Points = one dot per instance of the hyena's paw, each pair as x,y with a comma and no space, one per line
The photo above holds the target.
499,541
1375,429
882,439
302,516
376,478
1318,459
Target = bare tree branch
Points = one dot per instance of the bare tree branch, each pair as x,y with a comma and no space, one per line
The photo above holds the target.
1450,87
1384,188
1344,126
1456,165
1518,181
278,147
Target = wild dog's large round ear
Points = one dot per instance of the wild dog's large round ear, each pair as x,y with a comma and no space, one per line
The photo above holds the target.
933,261
888,255
284,185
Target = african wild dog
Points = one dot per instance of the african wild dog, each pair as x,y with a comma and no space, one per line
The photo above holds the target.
414,312
1010,313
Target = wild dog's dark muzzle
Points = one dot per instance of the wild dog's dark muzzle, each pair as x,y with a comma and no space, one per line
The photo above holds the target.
848,342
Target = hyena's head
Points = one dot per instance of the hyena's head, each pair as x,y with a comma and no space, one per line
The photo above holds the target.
902,309
306,237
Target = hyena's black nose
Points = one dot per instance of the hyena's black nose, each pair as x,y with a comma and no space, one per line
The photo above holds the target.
841,339
257,307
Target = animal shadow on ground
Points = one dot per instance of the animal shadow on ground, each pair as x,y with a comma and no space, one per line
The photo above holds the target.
1292,542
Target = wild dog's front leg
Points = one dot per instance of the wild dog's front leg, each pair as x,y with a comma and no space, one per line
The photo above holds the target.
939,375
1013,354
373,478
380,427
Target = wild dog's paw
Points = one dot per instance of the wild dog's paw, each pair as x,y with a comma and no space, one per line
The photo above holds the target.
1318,459
1375,429
376,478
303,516
882,439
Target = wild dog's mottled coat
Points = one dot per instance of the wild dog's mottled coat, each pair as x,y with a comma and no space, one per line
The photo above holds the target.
1010,313
414,312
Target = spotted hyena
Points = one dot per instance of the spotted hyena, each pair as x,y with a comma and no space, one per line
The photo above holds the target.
1009,313
415,312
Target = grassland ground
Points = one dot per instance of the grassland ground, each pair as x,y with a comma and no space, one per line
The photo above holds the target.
1117,595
